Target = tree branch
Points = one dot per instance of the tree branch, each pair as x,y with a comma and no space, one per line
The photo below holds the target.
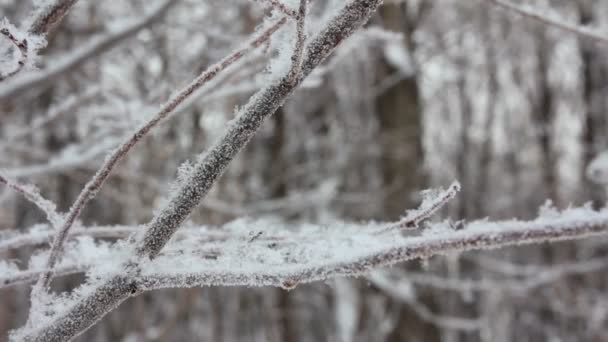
49,15
112,160
107,296
33,195
20,45
370,251
281,7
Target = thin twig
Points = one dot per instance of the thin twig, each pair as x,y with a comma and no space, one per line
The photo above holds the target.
49,15
296,58
26,277
558,23
426,210
281,7
33,195
203,234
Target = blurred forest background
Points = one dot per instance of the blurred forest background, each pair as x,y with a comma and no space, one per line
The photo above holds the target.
429,92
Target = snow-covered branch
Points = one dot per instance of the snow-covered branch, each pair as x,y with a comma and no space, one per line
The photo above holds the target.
287,256
281,7
114,289
27,45
433,200
49,15
345,249
105,170
32,194
20,45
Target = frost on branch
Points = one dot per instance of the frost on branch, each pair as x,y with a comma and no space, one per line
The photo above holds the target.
432,201
268,252
24,47
32,194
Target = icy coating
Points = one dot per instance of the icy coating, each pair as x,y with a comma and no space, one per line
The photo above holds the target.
267,252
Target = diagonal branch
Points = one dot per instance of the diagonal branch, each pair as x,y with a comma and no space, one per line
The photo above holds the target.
383,252
428,207
33,195
117,155
212,164
116,289
296,58
49,15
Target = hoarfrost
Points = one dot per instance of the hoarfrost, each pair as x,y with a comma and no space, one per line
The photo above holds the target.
23,43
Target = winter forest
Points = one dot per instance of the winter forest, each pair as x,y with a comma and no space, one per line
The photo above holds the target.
304,170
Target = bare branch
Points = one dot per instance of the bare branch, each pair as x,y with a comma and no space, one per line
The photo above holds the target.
428,207
50,15
554,22
33,195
